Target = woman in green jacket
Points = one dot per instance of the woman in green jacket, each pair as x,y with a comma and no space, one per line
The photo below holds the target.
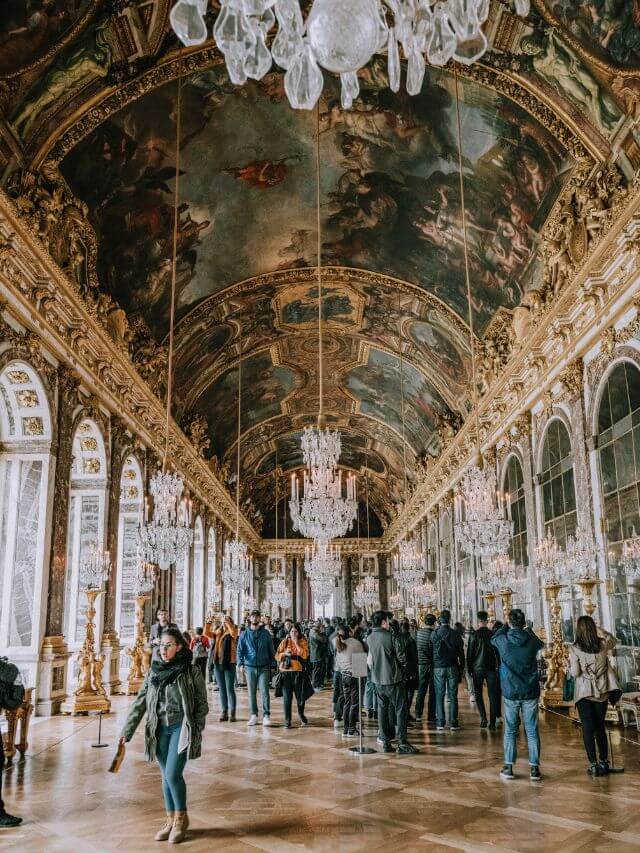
174,697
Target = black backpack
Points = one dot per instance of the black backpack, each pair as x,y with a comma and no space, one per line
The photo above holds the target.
11,689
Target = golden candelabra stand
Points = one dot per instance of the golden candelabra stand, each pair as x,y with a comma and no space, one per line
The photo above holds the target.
89,695
506,596
555,655
139,652
588,586
490,598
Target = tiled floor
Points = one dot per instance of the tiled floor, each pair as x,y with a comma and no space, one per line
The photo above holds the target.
297,790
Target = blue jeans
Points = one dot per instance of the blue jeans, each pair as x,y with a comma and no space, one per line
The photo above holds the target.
446,680
259,677
338,698
226,681
172,765
370,696
528,709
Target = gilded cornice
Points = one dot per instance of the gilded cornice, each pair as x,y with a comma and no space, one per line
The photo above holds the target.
43,299
610,269
295,547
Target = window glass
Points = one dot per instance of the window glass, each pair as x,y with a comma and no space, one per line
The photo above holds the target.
24,562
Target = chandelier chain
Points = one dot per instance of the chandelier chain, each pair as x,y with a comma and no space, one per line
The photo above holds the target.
319,260
239,436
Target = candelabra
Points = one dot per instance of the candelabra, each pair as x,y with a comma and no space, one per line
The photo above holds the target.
236,567
89,694
367,593
484,531
322,560
168,536
139,652
408,571
490,598
556,654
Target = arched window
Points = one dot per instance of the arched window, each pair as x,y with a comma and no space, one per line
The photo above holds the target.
87,499
618,441
518,551
446,562
559,505
130,514
557,483
197,598
25,444
181,599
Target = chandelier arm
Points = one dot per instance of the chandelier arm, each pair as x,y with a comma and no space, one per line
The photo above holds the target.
174,262
474,387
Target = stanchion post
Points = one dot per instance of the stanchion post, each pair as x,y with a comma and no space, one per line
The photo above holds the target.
359,671
99,745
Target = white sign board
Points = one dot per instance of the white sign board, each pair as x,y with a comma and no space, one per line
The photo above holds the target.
359,664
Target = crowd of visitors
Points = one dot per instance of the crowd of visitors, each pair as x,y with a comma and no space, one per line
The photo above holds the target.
404,662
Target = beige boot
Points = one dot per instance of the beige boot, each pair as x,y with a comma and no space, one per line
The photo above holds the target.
180,826
163,834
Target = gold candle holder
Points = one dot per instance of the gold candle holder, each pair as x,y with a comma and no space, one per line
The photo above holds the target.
555,654
139,652
89,695
506,595
588,586
490,598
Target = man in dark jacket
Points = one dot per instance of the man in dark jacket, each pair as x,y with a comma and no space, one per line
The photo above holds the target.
448,666
518,648
157,628
482,665
387,662
255,655
318,651
425,669
6,820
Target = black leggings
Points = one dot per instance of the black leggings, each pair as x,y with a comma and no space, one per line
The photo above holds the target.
592,716
351,702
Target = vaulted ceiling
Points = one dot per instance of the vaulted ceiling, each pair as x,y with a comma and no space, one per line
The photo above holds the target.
392,239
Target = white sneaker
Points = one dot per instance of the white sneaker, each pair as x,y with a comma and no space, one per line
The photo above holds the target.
337,724
253,720
266,721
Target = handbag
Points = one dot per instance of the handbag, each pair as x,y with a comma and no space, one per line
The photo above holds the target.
277,684
307,687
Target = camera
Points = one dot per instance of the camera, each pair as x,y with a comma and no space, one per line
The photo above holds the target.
287,661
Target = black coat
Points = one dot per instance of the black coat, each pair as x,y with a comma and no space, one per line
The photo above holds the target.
448,648
481,655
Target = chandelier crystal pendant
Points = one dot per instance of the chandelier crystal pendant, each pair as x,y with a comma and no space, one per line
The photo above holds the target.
340,36
482,530
168,536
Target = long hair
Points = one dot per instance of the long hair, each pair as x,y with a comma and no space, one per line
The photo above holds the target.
341,634
587,639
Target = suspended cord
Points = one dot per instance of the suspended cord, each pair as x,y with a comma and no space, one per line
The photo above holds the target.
319,259
276,500
404,443
366,487
174,262
474,388
238,460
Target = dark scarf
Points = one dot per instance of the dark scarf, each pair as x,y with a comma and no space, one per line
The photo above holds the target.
166,672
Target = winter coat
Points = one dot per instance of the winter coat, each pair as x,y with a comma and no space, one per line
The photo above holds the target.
195,707
387,658
424,641
448,648
481,655
255,648
318,646
518,649
595,678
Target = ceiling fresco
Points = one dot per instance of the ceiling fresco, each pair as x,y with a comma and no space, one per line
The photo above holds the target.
29,29
609,28
390,190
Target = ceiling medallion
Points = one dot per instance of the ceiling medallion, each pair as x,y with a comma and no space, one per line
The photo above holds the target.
340,36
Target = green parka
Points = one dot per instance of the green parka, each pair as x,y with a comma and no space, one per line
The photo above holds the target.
193,692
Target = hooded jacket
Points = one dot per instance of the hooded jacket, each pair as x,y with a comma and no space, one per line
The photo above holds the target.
255,648
518,649
448,648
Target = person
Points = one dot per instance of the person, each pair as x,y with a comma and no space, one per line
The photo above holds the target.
411,668
518,648
292,656
413,628
387,662
174,698
162,622
9,676
337,699
286,627
255,655
186,636
594,681
482,665
425,669
448,666
223,659
330,627
345,646
318,654
200,650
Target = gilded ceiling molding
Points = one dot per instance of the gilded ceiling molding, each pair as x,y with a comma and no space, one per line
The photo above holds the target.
611,266
41,297
295,547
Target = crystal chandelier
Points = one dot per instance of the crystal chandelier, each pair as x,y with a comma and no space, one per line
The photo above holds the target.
367,592
250,602
581,555
424,594
280,595
484,531
322,589
631,557
95,567
145,576
408,571
340,36
396,601
236,566
322,560
322,512
166,538
550,561
500,573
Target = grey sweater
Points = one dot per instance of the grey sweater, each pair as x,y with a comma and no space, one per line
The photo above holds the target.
343,659
594,677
